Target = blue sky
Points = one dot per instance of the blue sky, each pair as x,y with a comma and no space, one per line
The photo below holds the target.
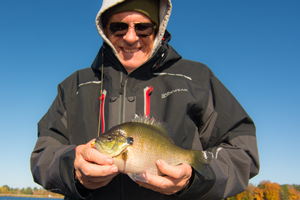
253,47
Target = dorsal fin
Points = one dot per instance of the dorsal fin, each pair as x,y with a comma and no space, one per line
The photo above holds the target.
162,126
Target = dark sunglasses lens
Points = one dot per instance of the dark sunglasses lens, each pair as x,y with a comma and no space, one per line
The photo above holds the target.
121,28
118,28
144,29
143,26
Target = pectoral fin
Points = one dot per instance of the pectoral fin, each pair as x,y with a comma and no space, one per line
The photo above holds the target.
139,176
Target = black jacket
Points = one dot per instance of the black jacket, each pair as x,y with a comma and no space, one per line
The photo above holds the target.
204,116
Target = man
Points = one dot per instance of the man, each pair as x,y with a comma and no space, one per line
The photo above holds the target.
137,71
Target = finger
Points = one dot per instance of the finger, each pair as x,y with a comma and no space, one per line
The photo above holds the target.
176,179
159,181
97,180
90,154
165,185
159,184
93,186
94,170
176,172
93,176
93,155
94,183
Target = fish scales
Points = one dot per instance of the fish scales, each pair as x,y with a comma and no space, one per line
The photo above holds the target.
147,148
135,147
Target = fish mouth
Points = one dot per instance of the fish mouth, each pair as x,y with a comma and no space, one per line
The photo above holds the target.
100,146
129,141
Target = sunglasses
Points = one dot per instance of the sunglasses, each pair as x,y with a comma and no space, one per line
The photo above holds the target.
142,29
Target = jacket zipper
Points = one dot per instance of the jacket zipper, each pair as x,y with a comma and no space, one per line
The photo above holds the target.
122,94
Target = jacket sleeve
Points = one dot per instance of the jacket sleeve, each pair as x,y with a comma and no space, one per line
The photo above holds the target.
228,133
52,160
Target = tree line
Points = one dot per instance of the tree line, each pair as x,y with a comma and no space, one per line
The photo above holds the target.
269,191
264,191
6,190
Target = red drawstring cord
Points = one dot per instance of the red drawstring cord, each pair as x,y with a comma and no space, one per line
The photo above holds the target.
101,110
147,106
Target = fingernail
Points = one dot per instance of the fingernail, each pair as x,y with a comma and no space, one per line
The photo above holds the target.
109,161
158,162
114,169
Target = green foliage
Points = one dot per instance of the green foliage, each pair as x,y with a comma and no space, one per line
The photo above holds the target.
231,198
297,187
261,186
6,187
26,191
284,192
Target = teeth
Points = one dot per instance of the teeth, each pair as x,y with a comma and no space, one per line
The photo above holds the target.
131,50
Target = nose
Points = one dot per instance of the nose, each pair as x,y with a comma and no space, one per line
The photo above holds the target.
130,37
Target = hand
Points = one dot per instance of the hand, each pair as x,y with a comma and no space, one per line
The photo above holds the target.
176,178
92,168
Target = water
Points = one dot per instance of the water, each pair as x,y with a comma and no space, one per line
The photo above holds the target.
26,198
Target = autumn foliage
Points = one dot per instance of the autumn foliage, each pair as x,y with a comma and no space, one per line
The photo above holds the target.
269,191
5,190
294,194
264,191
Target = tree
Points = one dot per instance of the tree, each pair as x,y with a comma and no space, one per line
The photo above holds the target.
258,194
297,187
284,192
28,190
272,191
294,194
239,196
6,187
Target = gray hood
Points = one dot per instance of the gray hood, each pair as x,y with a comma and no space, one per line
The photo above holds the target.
164,15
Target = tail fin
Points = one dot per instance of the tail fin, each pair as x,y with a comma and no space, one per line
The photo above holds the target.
201,161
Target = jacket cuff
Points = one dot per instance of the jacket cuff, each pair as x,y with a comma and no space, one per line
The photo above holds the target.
73,188
199,185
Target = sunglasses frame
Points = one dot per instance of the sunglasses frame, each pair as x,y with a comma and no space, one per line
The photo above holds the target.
151,25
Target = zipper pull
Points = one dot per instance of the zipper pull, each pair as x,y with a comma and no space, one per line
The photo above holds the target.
122,88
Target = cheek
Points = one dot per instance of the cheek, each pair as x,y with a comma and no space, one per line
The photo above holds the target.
115,42
107,34
149,46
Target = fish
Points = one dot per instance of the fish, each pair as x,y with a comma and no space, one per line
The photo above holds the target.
135,147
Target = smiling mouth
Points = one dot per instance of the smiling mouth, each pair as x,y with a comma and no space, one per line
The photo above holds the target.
130,50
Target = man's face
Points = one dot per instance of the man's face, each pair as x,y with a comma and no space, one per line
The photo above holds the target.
132,49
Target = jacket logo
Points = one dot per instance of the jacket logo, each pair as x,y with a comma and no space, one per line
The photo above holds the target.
165,95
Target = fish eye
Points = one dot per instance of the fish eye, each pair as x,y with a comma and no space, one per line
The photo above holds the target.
109,138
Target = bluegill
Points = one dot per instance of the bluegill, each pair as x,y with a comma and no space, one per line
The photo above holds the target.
135,146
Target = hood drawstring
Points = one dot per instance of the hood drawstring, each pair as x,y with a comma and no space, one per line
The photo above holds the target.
101,98
147,92
157,63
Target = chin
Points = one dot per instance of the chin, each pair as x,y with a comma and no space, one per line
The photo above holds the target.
131,65
129,68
